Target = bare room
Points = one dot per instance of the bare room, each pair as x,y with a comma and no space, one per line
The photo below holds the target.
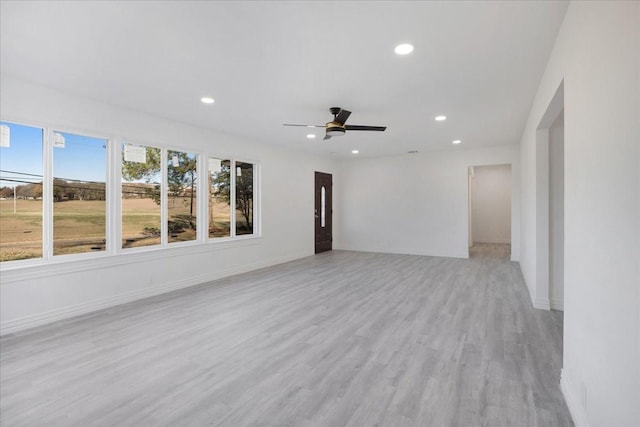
320,213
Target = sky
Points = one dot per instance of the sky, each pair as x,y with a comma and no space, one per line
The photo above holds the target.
82,158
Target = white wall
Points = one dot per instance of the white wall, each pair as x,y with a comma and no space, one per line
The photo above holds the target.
556,214
597,55
418,203
39,294
491,204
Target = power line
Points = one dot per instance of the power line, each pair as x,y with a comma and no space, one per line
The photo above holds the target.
40,176
20,173
82,188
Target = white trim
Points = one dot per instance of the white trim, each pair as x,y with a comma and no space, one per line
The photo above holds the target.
115,208
17,325
380,250
542,303
202,202
232,194
557,304
48,269
577,410
256,197
501,242
112,190
47,196
542,220
198,237
208,197
164,199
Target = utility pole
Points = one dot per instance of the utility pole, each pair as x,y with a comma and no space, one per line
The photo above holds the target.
14,199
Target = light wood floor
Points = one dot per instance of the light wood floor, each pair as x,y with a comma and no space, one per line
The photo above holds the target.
338,339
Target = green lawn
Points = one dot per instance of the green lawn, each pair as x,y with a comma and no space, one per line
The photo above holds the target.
80,226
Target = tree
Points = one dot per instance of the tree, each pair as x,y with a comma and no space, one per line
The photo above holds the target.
221,184
37,192
29,191
63,190
244,195
6,192
58,189
182,176
149,171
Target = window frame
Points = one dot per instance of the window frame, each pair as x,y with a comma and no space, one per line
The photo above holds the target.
48,258
45,181
113,201
165,194
118,173
109,189
256,199
257,229
208,193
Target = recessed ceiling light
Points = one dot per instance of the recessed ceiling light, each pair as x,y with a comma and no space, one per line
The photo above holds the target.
354,151
311,136
441,118
207,100
457,141
404,49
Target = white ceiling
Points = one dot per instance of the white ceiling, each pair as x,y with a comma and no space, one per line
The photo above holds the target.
269,63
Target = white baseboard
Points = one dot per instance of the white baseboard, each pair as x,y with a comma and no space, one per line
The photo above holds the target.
542,303
577,410
557,304
40,319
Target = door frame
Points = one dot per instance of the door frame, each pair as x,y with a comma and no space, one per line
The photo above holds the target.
541,299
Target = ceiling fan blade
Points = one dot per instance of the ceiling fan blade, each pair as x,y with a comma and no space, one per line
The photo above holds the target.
306,126
342,116
326,137
361,127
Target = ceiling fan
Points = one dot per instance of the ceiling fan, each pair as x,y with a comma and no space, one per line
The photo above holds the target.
336,127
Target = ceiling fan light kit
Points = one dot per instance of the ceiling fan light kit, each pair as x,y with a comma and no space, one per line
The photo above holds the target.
335,131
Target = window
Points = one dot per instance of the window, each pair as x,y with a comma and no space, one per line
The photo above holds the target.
219,198
244,198
20,192
141,212
181,195
79,193
55,199
323,207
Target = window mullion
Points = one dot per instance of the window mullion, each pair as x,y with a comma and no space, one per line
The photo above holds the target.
256,201
114,196
232,174
164,188
203,198
47,194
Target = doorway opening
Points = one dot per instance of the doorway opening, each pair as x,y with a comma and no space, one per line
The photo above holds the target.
490,211
550,206
323,212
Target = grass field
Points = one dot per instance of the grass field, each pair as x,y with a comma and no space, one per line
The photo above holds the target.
79,226
20,232
139,215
